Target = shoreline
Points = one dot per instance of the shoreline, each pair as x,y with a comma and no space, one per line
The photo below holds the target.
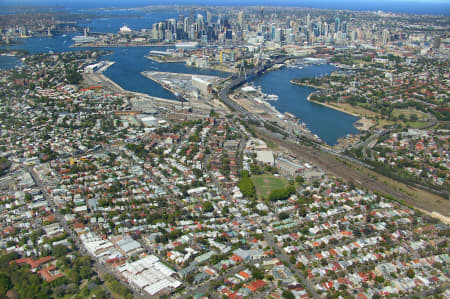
157,100
165,61
107,64
213,68
221,69
107,80
108,83
333,107
306,84
159,83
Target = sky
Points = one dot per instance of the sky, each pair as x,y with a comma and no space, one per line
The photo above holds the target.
408,6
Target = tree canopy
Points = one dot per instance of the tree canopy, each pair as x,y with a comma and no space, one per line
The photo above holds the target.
281,194
246,186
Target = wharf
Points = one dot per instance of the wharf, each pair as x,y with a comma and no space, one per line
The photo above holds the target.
150,76
186,76
179,84
100,79
106,65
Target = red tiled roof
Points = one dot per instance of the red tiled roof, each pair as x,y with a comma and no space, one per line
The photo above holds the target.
244,274
254,286
45,273
33,263
90,88
269,253
332,252
236,258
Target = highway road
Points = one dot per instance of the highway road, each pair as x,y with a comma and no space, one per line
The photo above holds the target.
237,81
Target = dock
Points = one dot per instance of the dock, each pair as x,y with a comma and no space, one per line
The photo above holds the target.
98,67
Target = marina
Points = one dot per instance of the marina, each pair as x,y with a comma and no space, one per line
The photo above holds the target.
99,67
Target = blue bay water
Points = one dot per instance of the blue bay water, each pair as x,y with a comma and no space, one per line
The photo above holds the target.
130,62
9,62
140,21
36,45
327,123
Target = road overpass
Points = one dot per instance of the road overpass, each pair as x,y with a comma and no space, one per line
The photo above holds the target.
238,80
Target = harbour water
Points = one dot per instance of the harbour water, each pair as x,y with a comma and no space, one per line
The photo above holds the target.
142,20
36,45
328,124
8,62
130,62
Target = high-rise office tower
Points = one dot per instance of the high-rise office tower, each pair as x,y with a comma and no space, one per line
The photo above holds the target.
229,34
187,25
337,24
272,32
278,35
386,37
325,28
241,19
344,26
436,42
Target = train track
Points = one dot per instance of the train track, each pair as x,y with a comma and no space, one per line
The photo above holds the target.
350,172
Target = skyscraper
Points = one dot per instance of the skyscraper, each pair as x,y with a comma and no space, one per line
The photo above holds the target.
200,19
325,29
290,37
344,26
337,24
386,37
241,19
181,19
229,34
272,32
187,25
436,42
278,35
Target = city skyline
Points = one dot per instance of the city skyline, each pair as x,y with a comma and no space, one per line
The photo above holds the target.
428,6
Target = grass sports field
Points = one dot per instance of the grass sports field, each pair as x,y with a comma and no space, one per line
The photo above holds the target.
266,183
